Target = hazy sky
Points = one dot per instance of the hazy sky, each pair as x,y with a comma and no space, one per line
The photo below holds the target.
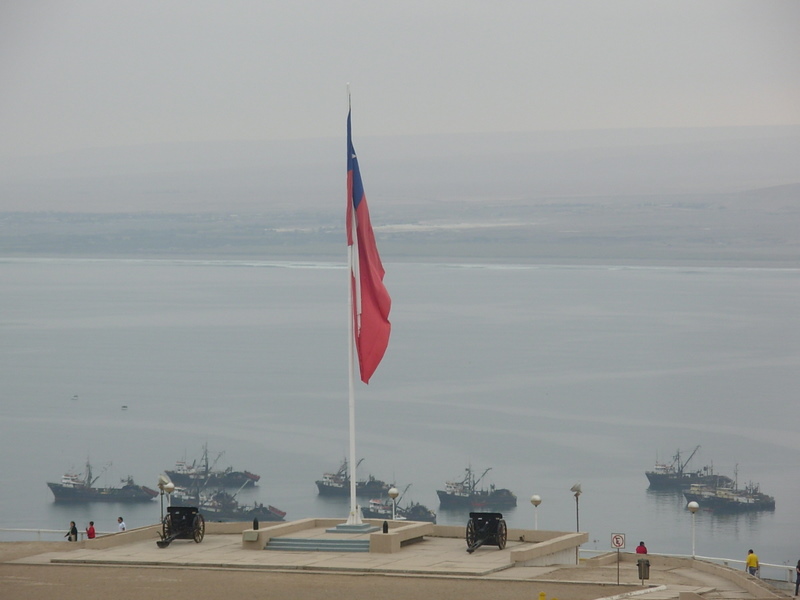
96,73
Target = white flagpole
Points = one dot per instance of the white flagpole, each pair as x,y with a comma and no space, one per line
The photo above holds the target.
355,511
354,517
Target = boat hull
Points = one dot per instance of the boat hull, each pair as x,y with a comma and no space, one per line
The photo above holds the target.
414,512
368,489
223,507
675,481
263,514
126,494
501,498
732,502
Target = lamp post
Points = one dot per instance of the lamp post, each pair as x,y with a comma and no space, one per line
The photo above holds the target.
577,490
536,500
693,506
393,494
163,482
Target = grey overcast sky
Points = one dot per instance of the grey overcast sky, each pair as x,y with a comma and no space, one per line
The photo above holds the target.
98,73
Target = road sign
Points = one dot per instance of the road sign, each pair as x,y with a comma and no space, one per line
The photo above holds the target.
618,540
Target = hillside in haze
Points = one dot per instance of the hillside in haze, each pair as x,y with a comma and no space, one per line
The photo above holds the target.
660,194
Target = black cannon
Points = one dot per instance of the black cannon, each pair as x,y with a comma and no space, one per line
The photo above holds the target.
182,523
486,528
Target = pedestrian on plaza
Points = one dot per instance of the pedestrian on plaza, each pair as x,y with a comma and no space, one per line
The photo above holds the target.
641,548
90,532
797,578
72,534
751,564
122,526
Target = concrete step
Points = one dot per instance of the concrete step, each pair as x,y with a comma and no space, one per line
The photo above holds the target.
317,545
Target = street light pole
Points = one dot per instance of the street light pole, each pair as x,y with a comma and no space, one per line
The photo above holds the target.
693,506
577,490
536,500
163,483
393,493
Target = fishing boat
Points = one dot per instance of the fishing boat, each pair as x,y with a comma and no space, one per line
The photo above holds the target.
466,494
338,484
675,476
75,487
202,474
730,498
382,508
223,506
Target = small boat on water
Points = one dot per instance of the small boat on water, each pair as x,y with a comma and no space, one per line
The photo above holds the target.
80,488
675,476
465,493
730,498
338,484
202,474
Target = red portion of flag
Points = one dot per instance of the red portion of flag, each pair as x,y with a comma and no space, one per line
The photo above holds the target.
371,301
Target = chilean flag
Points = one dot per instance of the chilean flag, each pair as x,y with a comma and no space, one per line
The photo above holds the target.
371,302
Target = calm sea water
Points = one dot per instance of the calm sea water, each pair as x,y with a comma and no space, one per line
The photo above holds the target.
548,375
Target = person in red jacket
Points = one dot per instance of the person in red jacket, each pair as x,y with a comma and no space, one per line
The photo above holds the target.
641,548
90,533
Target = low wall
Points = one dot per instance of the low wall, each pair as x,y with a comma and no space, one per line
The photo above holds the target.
558,549
400,532
541,547
256,539
753,585
152,532
123,537
521,535
388,543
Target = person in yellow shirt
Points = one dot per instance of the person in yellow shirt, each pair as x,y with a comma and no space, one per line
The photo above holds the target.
751,564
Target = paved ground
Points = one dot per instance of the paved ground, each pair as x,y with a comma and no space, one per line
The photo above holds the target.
219,568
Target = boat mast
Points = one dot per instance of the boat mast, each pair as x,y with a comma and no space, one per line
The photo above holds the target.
475,485
681,466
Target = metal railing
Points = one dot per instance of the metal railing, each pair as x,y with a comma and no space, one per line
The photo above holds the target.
50,535
772,573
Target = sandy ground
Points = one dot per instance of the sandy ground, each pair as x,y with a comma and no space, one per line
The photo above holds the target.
66,582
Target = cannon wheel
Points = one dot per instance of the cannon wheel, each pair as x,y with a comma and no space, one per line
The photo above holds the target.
166,527
470,533
198,528
502,534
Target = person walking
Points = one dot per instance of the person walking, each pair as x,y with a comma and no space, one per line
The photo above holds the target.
641,548
90,532
797,578
72,534
122,526
751,564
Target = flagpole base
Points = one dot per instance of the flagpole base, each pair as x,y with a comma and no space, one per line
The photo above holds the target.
354,524
354,518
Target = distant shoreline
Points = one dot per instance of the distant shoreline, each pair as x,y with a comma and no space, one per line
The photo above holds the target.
750,230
